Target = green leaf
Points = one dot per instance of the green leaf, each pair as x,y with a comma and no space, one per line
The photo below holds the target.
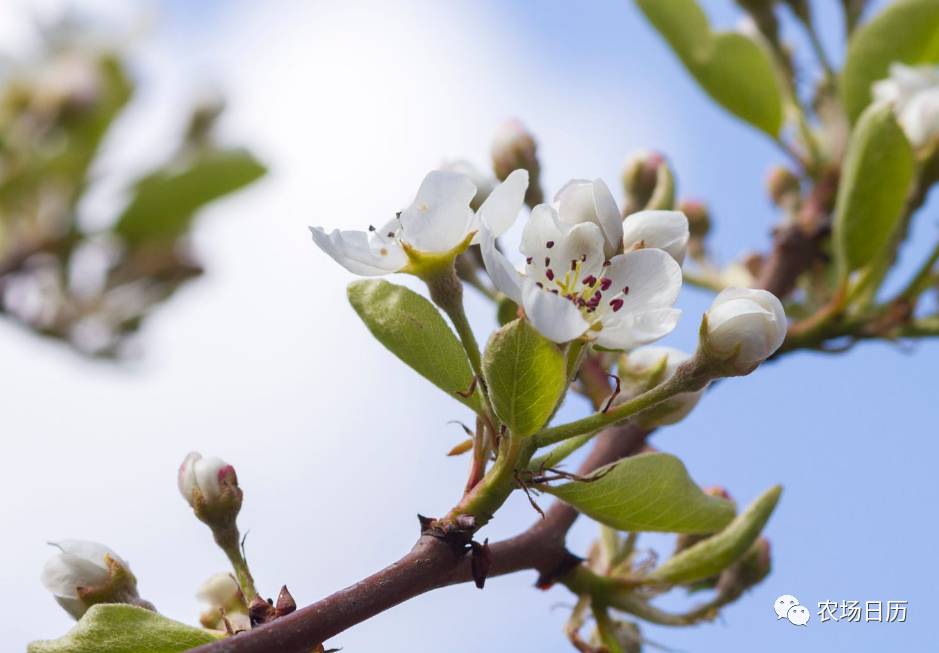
165,201
525,374
736,71
875,180
119,628
414,331
648,492
906,31
710,556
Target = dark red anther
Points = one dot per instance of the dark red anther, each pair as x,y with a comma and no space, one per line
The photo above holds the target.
573,264
549,244
547,261
616,304
528,260
626,290
550,274
605,283
589,280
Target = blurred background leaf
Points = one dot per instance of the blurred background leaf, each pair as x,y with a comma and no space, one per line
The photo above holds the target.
92,288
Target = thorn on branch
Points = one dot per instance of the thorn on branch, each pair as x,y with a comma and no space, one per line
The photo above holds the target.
480,561
285,603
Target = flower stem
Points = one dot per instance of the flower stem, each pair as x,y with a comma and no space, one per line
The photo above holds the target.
229,541
675,385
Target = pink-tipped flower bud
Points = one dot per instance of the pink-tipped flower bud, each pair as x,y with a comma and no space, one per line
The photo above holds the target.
514,148
210,486
648,183
699,217
85,573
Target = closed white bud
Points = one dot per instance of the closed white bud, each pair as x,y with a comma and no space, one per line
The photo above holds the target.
210,486
85,573
649,366
744,326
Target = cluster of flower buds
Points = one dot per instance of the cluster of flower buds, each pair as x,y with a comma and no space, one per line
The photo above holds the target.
85,573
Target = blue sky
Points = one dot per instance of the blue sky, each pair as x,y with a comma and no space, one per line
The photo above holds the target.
344,98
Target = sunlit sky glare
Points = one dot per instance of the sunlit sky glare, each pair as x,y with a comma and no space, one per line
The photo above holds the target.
336,444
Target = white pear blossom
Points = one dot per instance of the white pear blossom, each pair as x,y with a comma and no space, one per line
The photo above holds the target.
582,201
570,288
209,485
666,230
84,573
914,93
439,220
642,362
747,321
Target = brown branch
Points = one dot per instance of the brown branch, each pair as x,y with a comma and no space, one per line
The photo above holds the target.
431,564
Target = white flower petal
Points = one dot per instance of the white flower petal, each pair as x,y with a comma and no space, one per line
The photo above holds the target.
582,201
637,328
78,564
483,181
553,316
440,216
361,253
666,230
652,276
504,276
542,231
186,478
500,209
207,477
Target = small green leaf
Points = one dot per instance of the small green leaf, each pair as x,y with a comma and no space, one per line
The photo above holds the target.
119,628
710,556
736,71
906,31
875,180
648,492
165,201
525,374
414,331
